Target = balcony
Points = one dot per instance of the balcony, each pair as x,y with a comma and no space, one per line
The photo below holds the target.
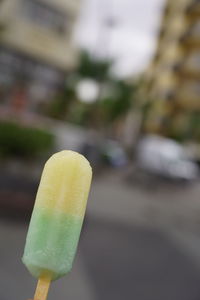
189,67
188,95
177,67
192,36
192,64
193,9
167,94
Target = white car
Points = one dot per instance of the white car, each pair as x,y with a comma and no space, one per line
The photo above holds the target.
165,157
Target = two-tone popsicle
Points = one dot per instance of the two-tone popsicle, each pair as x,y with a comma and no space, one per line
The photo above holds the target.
57,218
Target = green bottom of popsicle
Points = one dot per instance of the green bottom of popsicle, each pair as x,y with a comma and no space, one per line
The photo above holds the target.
51,243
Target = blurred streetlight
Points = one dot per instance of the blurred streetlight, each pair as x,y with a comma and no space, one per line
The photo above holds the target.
87,90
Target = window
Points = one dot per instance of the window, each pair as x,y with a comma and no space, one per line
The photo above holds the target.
45,15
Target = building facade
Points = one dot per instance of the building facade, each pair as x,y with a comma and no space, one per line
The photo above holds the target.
173,78
35,44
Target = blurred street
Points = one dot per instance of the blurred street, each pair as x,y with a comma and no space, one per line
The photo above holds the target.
120,85
132,244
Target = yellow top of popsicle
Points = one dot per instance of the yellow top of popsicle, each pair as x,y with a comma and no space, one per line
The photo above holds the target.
65,184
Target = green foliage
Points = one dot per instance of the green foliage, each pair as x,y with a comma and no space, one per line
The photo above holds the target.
80,114
20,141
57,108
60,105
118,103
93,68
110,106
115,96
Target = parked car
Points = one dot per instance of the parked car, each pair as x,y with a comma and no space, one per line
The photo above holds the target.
165,157
114,154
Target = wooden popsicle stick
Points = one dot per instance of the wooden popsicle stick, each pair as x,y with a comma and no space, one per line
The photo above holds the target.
42,288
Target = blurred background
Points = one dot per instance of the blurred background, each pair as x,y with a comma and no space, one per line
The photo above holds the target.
118,81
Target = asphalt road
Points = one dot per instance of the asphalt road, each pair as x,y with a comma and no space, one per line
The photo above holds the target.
127,250
125,262
115,261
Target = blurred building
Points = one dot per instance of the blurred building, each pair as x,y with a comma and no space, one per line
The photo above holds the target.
35,45
173,78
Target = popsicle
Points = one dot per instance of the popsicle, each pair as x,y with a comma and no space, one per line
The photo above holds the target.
57,218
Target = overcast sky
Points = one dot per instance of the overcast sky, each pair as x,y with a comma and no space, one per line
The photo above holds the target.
123,29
